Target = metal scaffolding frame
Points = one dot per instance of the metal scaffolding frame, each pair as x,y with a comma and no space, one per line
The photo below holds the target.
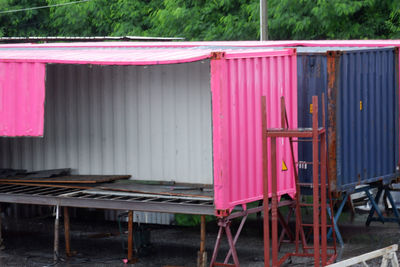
74,197
322,201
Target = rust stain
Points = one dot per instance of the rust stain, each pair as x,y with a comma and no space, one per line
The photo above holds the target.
396,53
333,66
222,213
217,55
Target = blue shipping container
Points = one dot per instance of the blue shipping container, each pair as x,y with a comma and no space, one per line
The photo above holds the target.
362,105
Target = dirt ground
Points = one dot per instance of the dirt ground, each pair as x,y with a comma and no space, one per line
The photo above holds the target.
29,242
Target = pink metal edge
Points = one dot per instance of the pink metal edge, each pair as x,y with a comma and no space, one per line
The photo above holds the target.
156,62
260,53
136,57
218,84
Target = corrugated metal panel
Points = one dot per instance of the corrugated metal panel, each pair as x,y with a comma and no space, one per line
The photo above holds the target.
361,88
142,217
367,118
311,80
104,56
22,91
153,122
237,86
121,55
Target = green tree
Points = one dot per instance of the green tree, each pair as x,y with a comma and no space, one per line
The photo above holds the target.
325,19
25,23
102,17
207,20
192,19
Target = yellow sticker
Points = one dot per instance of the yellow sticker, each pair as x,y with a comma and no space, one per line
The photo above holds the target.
311,108
360,105
284,167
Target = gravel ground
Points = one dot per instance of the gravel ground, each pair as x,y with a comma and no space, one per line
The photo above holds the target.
97,243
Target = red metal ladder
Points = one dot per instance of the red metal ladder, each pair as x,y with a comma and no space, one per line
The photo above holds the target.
320,190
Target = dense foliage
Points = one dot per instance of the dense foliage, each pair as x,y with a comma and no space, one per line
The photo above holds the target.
204,19
26,23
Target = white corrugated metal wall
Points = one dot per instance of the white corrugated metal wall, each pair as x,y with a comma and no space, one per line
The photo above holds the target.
142,217
153,122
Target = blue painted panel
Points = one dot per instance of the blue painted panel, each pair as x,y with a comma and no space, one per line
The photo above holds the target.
311,80
366,113
367,117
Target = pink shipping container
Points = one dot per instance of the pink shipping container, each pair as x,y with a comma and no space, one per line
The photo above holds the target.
180,114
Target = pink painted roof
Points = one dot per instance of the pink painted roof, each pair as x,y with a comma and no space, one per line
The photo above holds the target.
121,55
152,44
151,53
104,56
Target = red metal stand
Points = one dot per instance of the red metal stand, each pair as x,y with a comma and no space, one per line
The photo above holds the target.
320,189
224,224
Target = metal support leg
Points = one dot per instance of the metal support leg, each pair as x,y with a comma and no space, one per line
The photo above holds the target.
224,224
393,204
323,193
56,234
217,243
316,221
130,238
394,260
66,233
231,245
285,227
1,232
236,238
274,204
375,207
202,254
336,219
337,231
266,233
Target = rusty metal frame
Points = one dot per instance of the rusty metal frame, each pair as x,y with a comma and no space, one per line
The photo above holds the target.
224,224
320,189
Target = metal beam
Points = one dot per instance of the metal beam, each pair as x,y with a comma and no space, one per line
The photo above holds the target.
263,20
184,208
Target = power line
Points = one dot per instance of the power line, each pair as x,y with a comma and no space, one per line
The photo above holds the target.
40,7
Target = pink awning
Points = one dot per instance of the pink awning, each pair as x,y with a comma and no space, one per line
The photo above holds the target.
118,56
22,90
103,56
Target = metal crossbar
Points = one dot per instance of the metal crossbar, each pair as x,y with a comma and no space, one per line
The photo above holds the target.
374,209
72,197
76,197
224,224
